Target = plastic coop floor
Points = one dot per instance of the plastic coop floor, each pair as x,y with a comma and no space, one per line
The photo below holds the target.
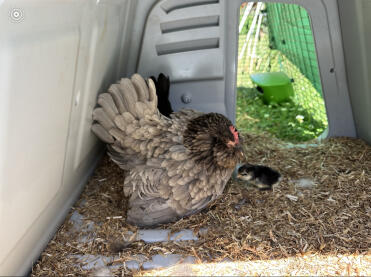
317,221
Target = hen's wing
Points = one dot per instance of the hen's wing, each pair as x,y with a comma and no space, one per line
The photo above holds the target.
170,184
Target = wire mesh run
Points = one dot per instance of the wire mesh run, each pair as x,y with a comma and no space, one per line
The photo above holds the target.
290,32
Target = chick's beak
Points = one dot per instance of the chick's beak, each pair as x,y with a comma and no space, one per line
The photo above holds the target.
240,176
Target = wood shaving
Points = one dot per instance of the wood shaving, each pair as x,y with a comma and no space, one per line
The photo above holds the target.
326,231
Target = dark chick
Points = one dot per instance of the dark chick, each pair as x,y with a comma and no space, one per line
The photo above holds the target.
174,166
262,177
162,90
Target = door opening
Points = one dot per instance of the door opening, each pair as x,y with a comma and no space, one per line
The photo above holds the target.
279,89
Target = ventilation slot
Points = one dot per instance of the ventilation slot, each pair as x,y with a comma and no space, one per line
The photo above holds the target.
190,23
185,46
172,5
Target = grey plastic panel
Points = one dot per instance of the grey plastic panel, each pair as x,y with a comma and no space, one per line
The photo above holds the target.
134,25
195,43
356,30
184,61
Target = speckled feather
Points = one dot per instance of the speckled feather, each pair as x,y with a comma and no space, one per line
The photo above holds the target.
176,165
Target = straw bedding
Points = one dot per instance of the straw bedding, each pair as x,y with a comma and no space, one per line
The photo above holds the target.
326,214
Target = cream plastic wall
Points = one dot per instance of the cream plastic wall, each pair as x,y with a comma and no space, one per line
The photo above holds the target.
55,56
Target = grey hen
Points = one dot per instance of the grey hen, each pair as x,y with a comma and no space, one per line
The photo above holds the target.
175,166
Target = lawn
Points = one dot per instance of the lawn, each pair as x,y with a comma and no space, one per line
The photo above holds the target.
288,121
302,119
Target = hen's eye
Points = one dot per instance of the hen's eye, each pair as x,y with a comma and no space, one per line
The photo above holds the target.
231,143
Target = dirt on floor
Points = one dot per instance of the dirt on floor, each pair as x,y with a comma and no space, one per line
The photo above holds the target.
317,219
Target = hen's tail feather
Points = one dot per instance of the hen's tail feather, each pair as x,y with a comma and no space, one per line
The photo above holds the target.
145,93
129,100
164,85
101,133
106,102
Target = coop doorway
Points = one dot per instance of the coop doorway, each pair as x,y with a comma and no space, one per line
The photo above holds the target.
279,90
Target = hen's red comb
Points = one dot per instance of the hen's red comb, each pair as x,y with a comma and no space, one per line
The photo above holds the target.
234,133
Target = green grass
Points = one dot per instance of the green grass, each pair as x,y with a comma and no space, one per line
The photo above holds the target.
287,121
302,119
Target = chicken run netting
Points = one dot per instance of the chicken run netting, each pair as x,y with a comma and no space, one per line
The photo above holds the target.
278,37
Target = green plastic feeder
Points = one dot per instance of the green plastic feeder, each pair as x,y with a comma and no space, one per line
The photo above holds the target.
275,86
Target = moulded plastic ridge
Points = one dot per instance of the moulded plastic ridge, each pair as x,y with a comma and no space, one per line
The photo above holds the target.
172,5
189,23
185,46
